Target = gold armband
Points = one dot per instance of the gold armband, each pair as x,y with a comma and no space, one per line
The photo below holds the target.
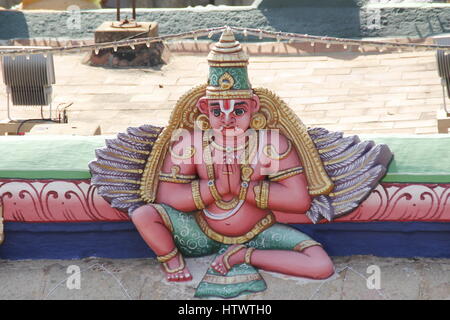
284,174
265,194
196,195
262,194
175,177
257,191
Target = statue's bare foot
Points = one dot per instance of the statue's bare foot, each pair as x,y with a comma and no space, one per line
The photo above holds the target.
234,255
176,269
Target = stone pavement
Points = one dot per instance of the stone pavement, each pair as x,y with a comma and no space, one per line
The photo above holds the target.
351,92
142,279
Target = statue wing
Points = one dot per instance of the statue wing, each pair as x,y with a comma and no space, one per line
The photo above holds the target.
355,167
118,170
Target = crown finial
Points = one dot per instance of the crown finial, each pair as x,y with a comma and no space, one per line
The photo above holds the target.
228,76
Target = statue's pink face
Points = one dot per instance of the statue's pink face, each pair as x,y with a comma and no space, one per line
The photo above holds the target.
230,116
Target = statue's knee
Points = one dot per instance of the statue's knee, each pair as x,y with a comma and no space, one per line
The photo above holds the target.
302,203
320,262
145,214
323,269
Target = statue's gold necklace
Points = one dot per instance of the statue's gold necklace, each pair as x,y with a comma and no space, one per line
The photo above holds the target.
228,149
246,172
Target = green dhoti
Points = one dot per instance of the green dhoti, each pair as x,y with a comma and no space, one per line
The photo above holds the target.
193,240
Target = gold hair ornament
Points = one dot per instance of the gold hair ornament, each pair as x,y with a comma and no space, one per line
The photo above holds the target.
258,121
202,122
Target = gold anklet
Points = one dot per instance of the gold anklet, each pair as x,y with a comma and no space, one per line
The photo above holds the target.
227,255
168,256
178,269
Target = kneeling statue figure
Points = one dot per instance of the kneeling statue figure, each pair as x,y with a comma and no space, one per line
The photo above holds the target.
213,181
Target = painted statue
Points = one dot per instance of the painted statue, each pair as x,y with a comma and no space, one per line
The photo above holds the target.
213,180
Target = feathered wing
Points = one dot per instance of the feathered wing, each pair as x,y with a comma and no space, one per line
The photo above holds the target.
117,172
355,167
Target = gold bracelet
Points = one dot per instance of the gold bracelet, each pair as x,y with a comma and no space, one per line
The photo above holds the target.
165,178
196,195
257,191
248,255
264,194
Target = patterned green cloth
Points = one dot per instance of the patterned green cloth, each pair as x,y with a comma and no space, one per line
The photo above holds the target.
192,242
207,289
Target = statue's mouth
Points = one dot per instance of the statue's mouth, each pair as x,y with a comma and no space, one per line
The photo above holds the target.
232,131
227,127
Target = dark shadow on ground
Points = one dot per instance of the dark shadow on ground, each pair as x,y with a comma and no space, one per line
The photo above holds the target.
337,18
13,25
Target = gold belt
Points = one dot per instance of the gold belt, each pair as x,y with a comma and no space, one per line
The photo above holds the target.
260,226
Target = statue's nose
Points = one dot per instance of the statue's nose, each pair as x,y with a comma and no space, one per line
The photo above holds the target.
228,119
227,111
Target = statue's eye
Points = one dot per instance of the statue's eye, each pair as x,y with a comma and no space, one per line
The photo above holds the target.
216,112
239,112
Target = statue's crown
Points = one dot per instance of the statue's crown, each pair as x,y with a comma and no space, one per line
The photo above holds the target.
228,77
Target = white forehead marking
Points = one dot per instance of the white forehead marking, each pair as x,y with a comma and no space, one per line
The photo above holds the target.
230,109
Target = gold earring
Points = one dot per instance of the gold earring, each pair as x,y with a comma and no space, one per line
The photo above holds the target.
202,122
258,121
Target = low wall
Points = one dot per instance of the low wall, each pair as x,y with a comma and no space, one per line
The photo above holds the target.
50,210
343,19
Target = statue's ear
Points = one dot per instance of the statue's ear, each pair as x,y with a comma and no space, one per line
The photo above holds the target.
202,105
255,105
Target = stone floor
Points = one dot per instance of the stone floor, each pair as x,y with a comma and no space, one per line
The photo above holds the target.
142,279
354,93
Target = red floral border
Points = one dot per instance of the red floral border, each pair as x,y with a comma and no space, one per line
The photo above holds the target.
54,201
78,201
